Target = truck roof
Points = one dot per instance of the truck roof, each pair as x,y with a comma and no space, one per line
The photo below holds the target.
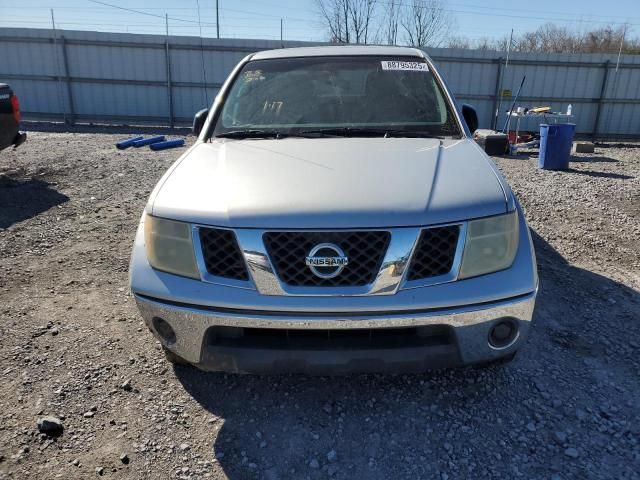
338,50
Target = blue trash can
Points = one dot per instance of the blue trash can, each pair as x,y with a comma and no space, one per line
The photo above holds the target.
555,146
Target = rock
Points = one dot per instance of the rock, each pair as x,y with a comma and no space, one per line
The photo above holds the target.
263,444
313,463
126,386
332,456
571,452
51,426
100,470
560,437
184,447
88,414
124,458
531,427
327,408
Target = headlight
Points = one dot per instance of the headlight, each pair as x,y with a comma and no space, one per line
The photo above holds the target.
169,247
490,246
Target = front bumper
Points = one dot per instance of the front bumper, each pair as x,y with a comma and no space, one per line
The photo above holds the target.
462,337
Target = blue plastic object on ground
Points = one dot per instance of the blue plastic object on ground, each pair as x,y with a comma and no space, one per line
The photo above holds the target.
167,144
148,141
555,146
127,143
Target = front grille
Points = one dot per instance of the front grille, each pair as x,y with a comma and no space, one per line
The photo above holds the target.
221,253
435,252
365,251
316,339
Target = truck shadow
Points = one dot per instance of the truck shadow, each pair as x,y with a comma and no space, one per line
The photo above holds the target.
457,423
24,199
592,159
594,173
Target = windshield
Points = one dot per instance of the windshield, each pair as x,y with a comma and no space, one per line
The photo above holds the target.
377,95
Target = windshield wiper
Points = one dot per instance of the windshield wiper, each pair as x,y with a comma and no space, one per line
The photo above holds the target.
367,132
326,132
253,133
250,134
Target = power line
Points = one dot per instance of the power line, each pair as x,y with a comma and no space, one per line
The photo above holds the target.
487,11
141,12
274,27
267,17
204,68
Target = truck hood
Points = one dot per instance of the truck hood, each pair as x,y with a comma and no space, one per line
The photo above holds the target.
330,183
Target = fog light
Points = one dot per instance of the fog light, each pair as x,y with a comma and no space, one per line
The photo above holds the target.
503,333
165,331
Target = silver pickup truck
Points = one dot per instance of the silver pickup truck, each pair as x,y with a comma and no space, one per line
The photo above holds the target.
334,216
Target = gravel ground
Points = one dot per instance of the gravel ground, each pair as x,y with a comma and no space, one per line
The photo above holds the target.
72,346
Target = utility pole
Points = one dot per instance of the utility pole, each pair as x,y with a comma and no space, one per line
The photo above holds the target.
281,42
624,33
217,21
501,74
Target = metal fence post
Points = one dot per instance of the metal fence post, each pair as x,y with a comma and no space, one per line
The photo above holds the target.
65,64
59,78
169,89
603,89
167,57
496,95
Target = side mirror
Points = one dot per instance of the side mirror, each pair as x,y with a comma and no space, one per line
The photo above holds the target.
470,116
198,121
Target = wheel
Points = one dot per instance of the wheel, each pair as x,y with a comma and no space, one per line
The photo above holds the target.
174,358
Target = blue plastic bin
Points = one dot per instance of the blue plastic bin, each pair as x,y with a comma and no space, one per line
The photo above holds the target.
555,145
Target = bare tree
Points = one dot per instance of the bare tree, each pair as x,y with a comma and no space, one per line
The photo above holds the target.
348,21
550,38
392,21
459,42
335,16
361,14
607,40
426,23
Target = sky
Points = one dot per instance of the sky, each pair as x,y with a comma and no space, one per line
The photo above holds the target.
261,18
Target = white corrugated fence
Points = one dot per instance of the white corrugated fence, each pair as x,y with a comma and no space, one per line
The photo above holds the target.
121,78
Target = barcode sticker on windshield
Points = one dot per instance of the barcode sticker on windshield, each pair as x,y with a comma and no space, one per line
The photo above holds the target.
399,65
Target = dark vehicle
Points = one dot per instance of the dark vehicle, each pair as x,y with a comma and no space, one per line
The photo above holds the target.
9,118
